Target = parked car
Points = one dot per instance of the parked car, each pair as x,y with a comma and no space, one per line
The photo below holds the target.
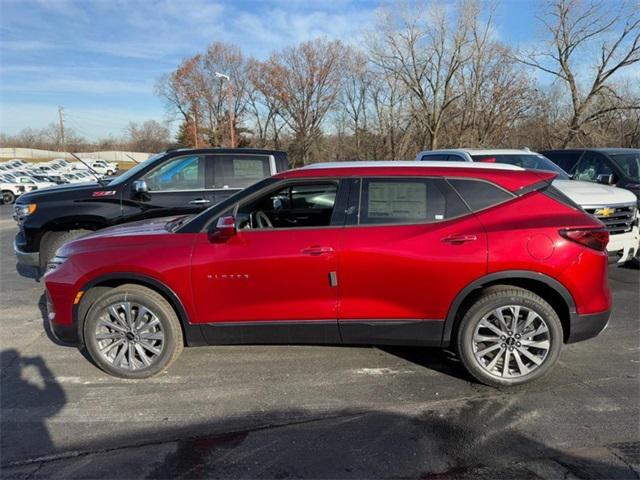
43,178
99,166
398,253
30,183
176,182
615,207
73,178
9,190
610,166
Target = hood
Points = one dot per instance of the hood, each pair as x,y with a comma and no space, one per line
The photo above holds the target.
593,194
129,234
56,192
152,226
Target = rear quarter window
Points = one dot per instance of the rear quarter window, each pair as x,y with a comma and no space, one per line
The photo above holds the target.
479,194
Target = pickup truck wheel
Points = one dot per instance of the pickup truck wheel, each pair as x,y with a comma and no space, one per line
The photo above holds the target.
510,336
8,197
52,241
132,332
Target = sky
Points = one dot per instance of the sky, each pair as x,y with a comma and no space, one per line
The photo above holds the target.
100,59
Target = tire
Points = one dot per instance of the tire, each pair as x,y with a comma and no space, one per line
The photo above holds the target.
113,354
52,241
475,337
8,197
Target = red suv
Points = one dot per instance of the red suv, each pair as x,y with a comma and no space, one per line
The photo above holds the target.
488,259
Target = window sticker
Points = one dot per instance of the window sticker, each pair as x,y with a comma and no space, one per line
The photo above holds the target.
248,168
397,200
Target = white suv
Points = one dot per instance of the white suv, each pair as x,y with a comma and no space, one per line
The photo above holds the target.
615,207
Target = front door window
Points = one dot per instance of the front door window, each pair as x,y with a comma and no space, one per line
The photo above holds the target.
181,173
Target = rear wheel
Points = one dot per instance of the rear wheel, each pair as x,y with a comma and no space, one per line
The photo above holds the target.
8,197
510,336
52,241
132,332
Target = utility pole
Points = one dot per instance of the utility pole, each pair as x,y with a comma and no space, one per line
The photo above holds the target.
61,119
232,120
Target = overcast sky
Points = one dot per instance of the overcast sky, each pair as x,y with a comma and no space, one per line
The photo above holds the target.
101,58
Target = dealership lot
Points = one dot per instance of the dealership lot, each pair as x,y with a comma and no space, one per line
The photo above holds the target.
312,411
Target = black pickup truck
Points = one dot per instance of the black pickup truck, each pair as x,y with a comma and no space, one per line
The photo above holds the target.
176,182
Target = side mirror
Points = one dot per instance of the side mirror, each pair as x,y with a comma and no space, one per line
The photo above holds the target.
225,229
605,179
140,187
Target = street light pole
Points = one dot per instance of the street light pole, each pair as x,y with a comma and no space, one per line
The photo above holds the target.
232,118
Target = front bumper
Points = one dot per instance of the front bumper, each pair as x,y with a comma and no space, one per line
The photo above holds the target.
26,258
66,334
624,245
584,327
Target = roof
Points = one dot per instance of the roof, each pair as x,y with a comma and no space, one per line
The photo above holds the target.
509,177
259,151
413,164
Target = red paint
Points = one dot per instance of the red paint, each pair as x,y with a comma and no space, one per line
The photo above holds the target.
402,271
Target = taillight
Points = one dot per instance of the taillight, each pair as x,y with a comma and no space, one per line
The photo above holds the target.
589,237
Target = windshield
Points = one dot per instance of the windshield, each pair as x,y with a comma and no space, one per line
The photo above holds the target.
533,161
132,172
629,163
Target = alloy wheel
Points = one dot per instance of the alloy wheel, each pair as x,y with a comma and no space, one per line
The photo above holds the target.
129,336
511,341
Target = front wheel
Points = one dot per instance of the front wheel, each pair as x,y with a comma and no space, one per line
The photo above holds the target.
509,336
52,241
132,332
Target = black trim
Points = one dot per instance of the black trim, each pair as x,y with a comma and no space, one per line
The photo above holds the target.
504,275
192,334
392,332
587,326
65,334
272,332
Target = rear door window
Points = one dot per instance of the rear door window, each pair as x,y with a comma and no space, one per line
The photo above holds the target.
237,171
479,194
407,200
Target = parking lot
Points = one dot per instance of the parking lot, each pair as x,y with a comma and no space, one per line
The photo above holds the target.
312,411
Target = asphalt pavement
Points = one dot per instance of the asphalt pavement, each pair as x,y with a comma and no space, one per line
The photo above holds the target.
311,411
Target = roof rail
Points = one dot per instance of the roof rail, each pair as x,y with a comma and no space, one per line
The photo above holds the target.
414,164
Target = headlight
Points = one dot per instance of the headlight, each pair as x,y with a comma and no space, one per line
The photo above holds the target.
55,262
22,211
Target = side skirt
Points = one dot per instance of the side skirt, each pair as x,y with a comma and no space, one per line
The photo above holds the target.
427,333
331,332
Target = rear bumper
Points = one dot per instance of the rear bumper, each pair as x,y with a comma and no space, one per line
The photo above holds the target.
587,326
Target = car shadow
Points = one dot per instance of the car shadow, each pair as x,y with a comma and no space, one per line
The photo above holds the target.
438,359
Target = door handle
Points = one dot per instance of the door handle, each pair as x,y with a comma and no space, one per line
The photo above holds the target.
458,239
316,250
199,201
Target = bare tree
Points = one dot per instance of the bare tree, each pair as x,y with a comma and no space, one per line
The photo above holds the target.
426,47
149,136
182,91
574,28
304,82
354,96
